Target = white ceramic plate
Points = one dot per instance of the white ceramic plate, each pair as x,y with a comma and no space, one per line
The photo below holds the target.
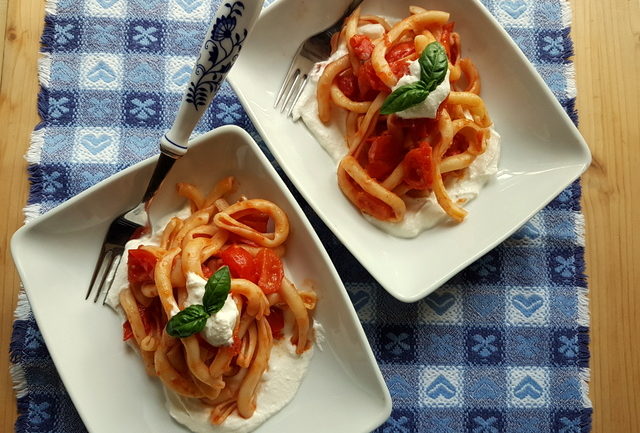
55,255
542,151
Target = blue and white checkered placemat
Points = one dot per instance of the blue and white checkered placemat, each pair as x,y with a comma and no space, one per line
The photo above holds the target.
500,348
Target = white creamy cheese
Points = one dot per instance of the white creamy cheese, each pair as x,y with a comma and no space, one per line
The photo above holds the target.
429,107
218,331
372,31
277,387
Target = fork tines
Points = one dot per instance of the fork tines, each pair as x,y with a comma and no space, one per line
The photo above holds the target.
315,49
294,83
105,271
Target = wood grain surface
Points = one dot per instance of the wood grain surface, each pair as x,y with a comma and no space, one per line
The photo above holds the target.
607,39
21,22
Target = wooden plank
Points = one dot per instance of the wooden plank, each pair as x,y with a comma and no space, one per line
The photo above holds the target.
607,39
18,91
3,28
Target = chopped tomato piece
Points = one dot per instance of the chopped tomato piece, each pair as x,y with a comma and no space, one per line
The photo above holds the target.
137,233
445,40
127,332
241,263
417,167
206,272
270,271
362,46
257,221
147,315
379,170
384,155
211,266
400,51
141,265
348,84
236,346
276,322
400,68
368,80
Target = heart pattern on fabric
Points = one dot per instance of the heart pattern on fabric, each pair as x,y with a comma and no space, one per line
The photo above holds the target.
441,387
106,4
483,304
528,305
360,299
89,179
102,72
181,77
515,8
440,303
529,231
96,143
189,5
569,390
147,4
61,72
485,388
528,388
144,74
143,146
398,386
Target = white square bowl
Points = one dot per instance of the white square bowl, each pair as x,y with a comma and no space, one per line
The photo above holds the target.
542,152
55,256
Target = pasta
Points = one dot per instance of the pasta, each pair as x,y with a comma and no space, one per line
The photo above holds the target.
391,158
247,237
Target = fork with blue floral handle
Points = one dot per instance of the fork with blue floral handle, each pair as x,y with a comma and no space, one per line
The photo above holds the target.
222,44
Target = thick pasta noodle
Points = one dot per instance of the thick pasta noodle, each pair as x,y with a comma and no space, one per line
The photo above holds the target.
249,236
389,159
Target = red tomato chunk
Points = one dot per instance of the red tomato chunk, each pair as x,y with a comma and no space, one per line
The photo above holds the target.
241,263
270,271
384,155
276,322
417,167
141,265
362,46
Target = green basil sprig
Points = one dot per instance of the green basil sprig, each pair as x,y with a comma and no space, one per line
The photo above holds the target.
192,319
433,69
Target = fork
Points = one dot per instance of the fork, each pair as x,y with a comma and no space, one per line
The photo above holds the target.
222,44
311,51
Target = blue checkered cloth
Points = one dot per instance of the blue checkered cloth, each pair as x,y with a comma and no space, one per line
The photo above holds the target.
502,347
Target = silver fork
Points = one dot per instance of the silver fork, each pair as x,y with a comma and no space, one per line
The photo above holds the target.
222,44
313,50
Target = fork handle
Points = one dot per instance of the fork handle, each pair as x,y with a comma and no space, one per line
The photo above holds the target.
222,44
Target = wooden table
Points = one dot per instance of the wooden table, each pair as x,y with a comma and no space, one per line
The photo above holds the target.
607,39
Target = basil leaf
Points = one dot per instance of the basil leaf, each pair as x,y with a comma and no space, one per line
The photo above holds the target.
405,97
434,65
216,290
189,321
